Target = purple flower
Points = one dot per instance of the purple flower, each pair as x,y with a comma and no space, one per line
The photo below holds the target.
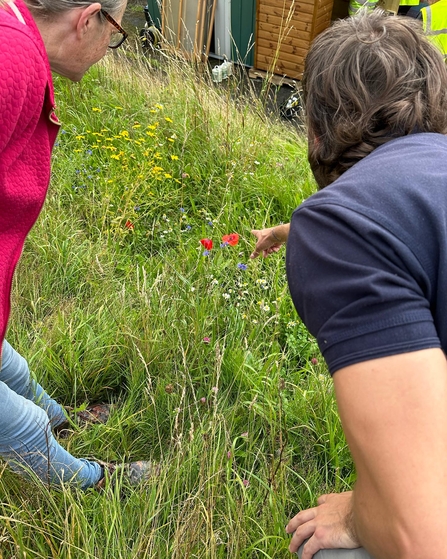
314,361
206,253
214,389
223,245
182,210
246,482
206,340
242,266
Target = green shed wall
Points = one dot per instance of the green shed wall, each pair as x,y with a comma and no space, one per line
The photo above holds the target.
243,15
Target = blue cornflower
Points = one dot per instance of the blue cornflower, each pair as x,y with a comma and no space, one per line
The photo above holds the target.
206,253
242,266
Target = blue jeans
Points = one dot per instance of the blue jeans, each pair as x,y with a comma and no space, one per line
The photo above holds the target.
27,416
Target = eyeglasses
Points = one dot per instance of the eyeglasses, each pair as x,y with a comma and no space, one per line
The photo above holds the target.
117,39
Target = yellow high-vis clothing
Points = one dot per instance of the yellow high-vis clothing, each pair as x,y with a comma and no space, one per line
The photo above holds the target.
434,23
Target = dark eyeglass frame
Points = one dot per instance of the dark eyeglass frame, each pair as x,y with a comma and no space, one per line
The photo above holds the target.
115,24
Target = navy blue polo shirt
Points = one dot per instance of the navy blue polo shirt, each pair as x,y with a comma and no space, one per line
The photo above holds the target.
367,256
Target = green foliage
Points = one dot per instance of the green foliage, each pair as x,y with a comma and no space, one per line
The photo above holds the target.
116,300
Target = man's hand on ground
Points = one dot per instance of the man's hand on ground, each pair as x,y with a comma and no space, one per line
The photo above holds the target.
327,526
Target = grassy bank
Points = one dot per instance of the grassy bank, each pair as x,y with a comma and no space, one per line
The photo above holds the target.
117,300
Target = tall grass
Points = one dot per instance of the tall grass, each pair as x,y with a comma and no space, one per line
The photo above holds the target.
116,300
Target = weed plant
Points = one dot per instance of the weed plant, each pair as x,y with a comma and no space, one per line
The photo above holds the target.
117,300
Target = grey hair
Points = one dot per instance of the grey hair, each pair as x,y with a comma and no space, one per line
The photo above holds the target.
48,8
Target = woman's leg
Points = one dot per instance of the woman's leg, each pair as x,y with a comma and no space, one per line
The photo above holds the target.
15,374
26,438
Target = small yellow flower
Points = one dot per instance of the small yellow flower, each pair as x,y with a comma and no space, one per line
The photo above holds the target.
80,137
168,119
124,133
150,134
158,106
96,110
136,125
157,169
168,176
114,156
77,150
170,140
153,126
119,108
174,157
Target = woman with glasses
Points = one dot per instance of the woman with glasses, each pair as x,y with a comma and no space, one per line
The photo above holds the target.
40,36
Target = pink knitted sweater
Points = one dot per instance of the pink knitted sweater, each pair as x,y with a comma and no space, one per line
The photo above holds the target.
28,129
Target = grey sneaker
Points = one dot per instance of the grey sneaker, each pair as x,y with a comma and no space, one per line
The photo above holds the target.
97,413
132,473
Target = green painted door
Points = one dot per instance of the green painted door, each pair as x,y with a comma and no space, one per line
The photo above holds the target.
243,14
154,10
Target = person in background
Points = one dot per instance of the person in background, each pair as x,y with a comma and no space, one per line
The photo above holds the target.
38,36
366,265
409,8
434,24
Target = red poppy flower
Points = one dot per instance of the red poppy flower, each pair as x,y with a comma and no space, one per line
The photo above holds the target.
207,243
232,239
129,224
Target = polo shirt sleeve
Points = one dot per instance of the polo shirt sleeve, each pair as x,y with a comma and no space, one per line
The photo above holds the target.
358,288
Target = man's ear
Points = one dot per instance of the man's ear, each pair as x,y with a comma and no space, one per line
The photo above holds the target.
86,17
